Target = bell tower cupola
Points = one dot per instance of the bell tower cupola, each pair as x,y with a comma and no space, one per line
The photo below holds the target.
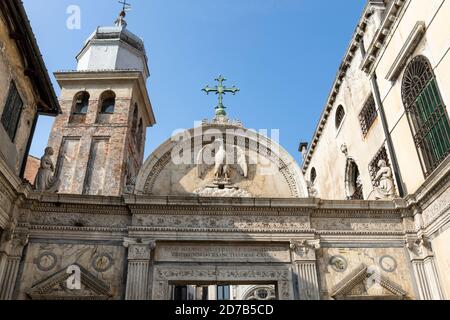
99,138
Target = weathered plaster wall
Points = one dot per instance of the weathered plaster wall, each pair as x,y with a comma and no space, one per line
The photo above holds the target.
12,68
328,159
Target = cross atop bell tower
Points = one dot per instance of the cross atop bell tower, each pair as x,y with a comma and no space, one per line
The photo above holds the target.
120,22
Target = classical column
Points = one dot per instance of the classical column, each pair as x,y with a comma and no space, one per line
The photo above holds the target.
425,273
11,254
138,274
304,261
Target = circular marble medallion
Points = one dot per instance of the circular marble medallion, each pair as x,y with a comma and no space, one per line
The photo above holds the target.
46,261
102,262
338,263
388,263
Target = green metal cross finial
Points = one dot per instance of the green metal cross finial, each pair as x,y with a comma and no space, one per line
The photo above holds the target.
221,90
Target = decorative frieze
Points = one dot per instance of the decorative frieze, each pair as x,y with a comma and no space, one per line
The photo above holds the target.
231,223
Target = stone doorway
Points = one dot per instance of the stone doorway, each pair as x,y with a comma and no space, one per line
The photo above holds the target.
223,291
169,280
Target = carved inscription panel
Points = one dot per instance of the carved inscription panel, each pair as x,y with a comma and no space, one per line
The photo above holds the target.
213,253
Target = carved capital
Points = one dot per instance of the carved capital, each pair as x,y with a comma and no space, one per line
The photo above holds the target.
15,244
138,248
304,249
419,247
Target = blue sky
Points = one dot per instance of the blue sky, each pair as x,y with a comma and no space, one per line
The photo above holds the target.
282,54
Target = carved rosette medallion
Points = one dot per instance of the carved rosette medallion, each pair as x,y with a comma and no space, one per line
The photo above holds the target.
102,262
388,263
46,261
338,263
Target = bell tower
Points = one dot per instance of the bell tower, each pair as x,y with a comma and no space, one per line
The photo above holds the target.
99,138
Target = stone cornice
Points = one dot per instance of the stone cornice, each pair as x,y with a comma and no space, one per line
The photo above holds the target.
435,183
372,52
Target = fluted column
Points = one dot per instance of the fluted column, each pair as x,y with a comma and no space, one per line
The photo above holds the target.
11,255
305,270
424,267
139,266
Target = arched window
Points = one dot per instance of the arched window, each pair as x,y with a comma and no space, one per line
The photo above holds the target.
426,113
108,102
313,175
340,114
139,135
353,182
81,103
134,121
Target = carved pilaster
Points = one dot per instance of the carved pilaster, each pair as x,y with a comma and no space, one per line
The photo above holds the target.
425,273
10,256
305,271
139,265
418,218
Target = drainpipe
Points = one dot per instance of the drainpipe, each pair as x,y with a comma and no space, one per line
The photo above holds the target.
384,123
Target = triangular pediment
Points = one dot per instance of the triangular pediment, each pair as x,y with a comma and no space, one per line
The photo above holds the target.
363,283
55,287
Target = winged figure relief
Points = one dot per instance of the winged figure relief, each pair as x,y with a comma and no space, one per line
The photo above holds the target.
223,159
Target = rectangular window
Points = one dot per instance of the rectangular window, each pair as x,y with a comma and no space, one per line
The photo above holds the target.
223,292
368,115
12,111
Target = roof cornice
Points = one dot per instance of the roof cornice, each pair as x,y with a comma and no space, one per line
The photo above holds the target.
378,42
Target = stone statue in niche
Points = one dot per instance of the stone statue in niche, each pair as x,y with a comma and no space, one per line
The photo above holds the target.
312,191
130,185
45,179
224,158
385,188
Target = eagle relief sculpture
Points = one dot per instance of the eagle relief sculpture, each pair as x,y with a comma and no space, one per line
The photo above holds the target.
223,157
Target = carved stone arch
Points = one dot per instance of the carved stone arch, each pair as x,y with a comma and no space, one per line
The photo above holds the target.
80,102
107,102
254,293
287,171
353,183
